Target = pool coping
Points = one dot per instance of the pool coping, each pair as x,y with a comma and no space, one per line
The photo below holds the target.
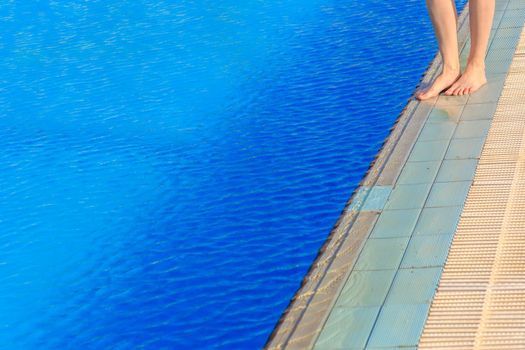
302,321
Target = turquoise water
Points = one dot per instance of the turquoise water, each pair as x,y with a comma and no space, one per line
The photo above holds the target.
169,170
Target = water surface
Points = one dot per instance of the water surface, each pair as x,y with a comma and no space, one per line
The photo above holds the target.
170,169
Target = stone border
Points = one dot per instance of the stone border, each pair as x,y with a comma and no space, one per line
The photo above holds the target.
303,319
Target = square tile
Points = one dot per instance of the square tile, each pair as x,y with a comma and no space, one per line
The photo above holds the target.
437,131
377,197
408,320
501,5
395,223
504,54
446,194
444,100
435,221
414,286
472,128
516,4
366,288
512,19
491,91
347,328
508,33
381,253
492,68
428,150
427,251
457,170
418,172
450,114
479,111
465,148
408,196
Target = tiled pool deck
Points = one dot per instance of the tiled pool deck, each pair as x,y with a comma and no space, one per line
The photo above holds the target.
375,279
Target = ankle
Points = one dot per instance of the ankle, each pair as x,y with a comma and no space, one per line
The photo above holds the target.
451,68
478,64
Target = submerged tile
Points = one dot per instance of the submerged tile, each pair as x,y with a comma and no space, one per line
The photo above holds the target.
366,288
381,253
427,251
347,328
395,223
408,320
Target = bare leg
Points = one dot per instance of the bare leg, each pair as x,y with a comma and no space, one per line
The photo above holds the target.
444,18
481,15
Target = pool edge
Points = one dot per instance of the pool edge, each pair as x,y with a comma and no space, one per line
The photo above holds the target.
300,323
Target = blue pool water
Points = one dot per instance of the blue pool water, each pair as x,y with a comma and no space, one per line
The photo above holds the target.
170,169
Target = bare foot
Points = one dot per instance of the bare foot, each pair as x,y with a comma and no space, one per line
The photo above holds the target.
472,79
443,81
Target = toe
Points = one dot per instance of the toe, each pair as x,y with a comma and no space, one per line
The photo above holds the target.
451,90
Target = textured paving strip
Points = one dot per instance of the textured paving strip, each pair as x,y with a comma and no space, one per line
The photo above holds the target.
373,282
480,301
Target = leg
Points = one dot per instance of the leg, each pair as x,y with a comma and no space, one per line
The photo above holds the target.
481,16
444,18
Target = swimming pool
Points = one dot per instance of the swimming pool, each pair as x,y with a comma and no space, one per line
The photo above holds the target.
169,171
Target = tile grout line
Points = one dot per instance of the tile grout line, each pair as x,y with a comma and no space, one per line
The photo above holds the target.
426,200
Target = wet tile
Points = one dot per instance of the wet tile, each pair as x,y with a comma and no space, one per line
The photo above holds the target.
451,114
479,111
418,172
414,286
428,150
427,251
376,198
409,321
472,128
366,288
381,253
347,328
457,170
445,194
395,223
444,100
441,220
408,196
465,148
437,131
359,198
